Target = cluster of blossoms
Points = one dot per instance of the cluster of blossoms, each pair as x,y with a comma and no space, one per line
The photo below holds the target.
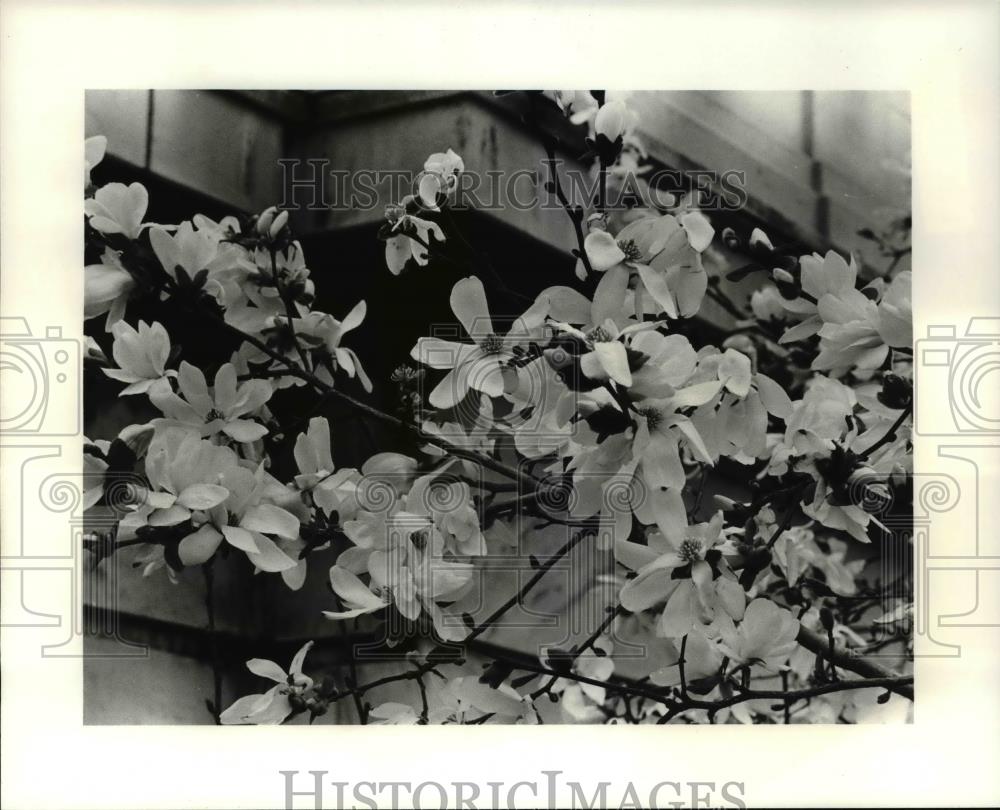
597,389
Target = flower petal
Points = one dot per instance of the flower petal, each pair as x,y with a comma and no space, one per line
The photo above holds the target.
240,538
199,547
267,669
614,360
270,519
468,302
269,557
602,251
202,496
244,430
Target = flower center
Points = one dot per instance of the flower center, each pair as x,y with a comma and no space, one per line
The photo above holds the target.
599,335
213,415
393,213
690,550
653,418
631,250
493,344
404,373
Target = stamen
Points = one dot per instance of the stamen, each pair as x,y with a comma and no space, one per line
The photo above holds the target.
493,344
631,250
599,335
690,550
653,417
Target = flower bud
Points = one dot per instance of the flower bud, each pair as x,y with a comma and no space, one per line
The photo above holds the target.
759,239
393,213
265,220
724,503
730,239
826,619
610,120
897,391
279,222
782,275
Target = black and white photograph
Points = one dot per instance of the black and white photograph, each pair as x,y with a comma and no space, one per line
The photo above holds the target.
383,426
514,407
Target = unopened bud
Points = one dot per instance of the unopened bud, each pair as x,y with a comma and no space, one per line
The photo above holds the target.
897,391
265,220
724,503
782,276
759,239
393,213
279,222
826,619
730,239
610,121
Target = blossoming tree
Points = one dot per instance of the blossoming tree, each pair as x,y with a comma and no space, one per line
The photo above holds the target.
594,410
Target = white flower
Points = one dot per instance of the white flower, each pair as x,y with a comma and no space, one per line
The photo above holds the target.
670,362
141,356
329,332
117,208
332,491
441,172
660,429
858,332
477,365
271,221
220,409
611,120
735,423
401,248
197,481
186,252
106,288
404,560
766,635
581,701
449,505
273,707
819,418
664,252
579,105
93,153
694,599
820,276
94,469
767,304
606,357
